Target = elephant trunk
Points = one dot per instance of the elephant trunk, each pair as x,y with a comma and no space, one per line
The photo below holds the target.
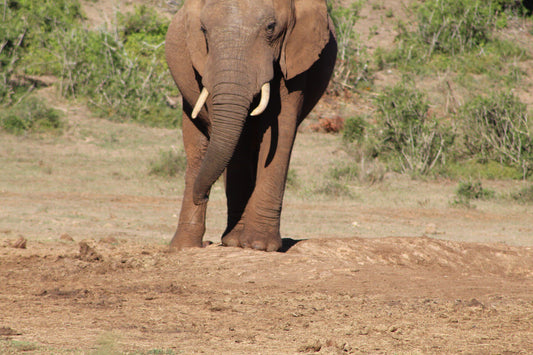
230,105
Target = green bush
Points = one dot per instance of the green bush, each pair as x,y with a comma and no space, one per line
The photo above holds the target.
124,78
456,26
169,163
31,115
121,73
473,190
447,30
352,66
525,195
468,191
408,132
354,129
497,128
26,29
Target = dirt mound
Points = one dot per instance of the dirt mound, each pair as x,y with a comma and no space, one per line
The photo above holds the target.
322,295
422,252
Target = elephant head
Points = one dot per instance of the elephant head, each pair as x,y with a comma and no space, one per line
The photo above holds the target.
236,47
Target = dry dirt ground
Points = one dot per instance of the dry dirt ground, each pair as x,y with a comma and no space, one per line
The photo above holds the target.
390,295
84,266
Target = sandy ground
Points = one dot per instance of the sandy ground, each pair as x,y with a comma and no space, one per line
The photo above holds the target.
389,295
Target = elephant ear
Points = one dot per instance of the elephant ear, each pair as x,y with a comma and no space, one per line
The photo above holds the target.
194,36
308,37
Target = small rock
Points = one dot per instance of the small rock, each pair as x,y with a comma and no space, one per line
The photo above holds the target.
109,240
88,253
66,237
19,243
311,348
364,330
7,331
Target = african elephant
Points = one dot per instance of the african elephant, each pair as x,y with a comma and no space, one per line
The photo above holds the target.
249,72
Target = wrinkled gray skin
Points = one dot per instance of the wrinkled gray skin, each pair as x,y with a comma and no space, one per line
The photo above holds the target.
232,48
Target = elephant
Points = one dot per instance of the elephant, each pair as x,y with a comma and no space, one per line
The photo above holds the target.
249,72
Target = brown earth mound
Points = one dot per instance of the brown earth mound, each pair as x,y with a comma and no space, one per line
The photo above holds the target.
323,295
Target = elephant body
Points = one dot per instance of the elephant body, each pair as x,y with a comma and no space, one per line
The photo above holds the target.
228,57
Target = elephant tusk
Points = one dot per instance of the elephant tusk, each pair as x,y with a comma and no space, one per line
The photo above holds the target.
200,103
265,97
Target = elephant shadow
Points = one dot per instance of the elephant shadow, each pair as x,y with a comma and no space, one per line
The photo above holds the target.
288,243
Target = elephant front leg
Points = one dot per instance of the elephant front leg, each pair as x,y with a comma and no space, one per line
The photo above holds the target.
240,181
191,225
262,221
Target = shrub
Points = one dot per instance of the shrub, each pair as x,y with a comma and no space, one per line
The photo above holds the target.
408,131
455,26
124,78
473,190
444,30
354,129
468,191
121,73
525,195
168,164
497,128
28,25
31,115
351,67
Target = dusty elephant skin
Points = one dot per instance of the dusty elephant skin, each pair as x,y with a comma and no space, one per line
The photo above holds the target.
249,72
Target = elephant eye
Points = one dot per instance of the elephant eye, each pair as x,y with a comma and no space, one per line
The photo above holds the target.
204,31
271,26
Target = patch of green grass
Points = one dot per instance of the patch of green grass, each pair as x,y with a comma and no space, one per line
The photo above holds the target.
107,345
346,173
334,188
474,169
16,346
169,163
524,195
161,352
31,115
293,181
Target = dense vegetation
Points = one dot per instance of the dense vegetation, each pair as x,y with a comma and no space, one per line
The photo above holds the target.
120,74
488,134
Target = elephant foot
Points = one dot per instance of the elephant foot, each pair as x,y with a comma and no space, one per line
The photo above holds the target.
188,236
243,237
261,240
232,238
